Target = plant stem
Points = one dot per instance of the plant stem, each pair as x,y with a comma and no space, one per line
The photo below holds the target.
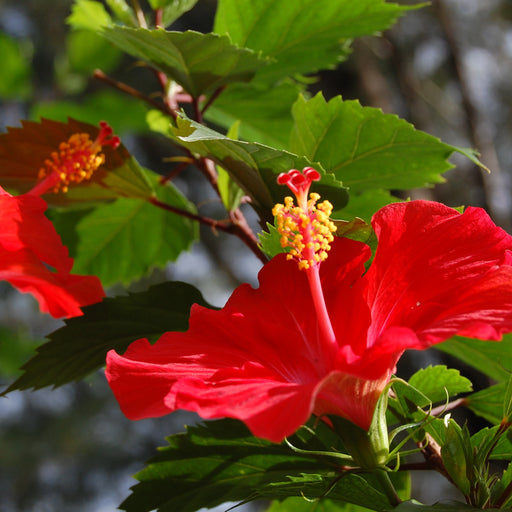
99,75
388,487
238,228
448,407
139,13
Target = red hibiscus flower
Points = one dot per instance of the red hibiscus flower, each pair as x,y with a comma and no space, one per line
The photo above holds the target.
29,249
269,359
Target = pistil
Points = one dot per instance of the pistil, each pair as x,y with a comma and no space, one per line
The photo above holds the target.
308,231
75,161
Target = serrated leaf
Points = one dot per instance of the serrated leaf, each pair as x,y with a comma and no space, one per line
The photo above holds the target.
365,148
16,346
79,348
210,464
303,36
501,449
88,15
200,63
488,402
305,505
24,150
439,383
253,166
454,454
264,113
270,241
365,204
172,9
123,240
230,193
122,11
444,506
492,358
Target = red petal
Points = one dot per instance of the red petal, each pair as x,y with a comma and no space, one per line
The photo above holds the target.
61,295
439,273
28,245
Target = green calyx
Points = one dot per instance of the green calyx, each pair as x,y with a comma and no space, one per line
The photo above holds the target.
369,449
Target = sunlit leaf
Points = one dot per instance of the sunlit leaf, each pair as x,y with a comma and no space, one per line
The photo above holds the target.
303,36
253,166
89,15
439,383
199,62
264,113
123,240
365,148
172,9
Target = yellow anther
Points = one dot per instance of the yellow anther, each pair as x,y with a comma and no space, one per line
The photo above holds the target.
307,232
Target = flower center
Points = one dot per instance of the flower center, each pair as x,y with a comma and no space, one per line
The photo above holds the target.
75,161
306,228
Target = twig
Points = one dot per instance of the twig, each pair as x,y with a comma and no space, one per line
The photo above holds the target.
230,227
212,98
121,86
139,13
436,411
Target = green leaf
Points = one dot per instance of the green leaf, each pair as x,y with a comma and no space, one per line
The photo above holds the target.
230,193
200,63
15,69
88,15
79,348
16,346
124,240
365,204
486,437
122,11
253,166
305,505
365,148
489,357
454,453
507,401
501,485
210,464
172,9
488,402
270,241
303,36
264,113
439,383
445,506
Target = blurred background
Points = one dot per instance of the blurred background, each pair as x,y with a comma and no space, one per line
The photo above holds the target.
446,68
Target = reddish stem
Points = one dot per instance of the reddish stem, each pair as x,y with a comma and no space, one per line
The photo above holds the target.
120,86
234,228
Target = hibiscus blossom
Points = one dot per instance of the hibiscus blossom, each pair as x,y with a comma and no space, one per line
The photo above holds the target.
32,256
29,245
325,338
